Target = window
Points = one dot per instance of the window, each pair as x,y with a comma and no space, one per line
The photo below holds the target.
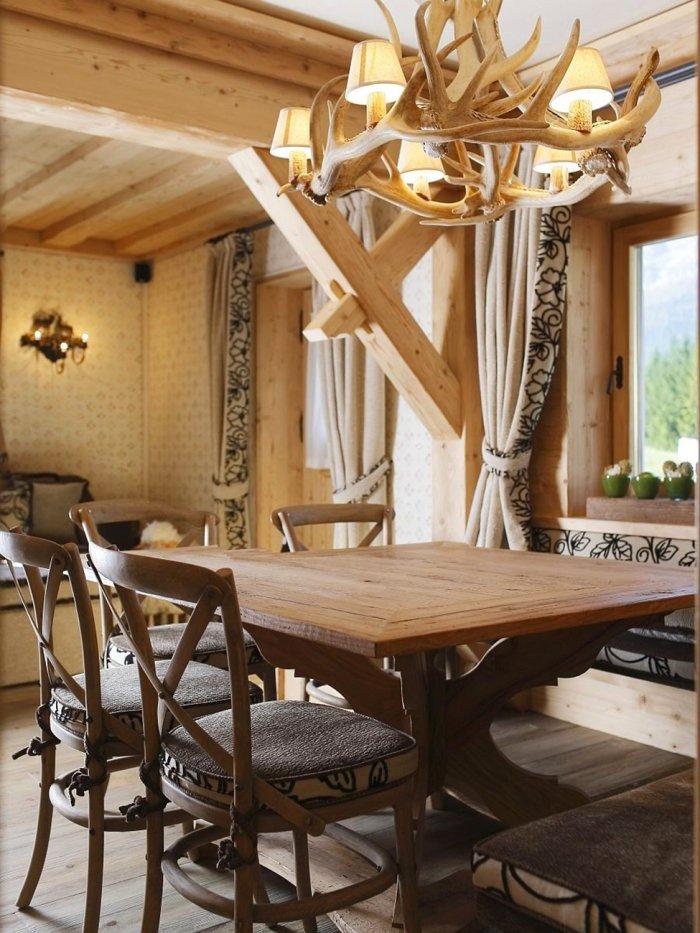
660,261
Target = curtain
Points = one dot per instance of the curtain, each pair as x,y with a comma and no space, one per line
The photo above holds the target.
354,395
521,263
230,333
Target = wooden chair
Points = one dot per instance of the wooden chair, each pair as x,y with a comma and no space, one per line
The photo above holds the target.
97,712
199,528
250,770
291,517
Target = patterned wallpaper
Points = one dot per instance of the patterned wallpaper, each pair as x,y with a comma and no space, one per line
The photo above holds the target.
89,419
179,430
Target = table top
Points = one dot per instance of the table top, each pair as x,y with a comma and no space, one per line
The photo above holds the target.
408,598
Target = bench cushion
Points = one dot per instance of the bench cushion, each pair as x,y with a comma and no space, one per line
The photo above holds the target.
625,863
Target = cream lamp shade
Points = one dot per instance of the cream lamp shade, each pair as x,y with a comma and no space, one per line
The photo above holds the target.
585,79
292,133
375,67
547,160
414,164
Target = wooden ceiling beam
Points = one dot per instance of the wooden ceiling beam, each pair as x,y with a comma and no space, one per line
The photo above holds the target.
173,229
259,28
324,241
47,172
31,239
185,38
60,76
200,238
71,230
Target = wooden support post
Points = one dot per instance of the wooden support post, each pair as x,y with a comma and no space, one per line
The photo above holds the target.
333,254
456,463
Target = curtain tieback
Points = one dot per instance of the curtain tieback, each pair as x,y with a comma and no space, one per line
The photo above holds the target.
224,492
505,463
361,489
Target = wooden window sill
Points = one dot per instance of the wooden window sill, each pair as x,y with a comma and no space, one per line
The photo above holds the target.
658,511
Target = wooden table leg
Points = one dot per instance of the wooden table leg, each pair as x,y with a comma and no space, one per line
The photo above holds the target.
475,769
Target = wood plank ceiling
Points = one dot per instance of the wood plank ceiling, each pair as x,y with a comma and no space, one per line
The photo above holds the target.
65,190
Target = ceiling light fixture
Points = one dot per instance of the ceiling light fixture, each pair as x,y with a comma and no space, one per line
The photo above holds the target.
474,120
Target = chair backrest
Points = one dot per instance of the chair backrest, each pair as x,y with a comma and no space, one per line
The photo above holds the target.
199,526
206,595
45,565
290,517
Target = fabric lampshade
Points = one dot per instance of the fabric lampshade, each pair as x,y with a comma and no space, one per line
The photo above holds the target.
374,67
585,79
414,164
548,159
292,133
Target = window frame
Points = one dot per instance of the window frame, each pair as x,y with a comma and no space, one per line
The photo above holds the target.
624,342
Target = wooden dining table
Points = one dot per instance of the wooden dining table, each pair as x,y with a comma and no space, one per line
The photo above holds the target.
333,615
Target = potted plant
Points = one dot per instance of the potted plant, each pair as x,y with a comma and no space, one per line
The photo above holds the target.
646,485
678,479
616,479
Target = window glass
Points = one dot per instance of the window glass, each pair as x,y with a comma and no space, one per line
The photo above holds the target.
665,402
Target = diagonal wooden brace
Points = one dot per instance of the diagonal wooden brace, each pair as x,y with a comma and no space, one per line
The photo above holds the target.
327,245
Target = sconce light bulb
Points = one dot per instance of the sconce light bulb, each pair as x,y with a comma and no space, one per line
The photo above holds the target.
84,338
64,346
37,335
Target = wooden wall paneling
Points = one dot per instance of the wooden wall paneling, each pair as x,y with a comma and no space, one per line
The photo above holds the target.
457,463
588,336
650,713
57,75
624,239
279,389
190,39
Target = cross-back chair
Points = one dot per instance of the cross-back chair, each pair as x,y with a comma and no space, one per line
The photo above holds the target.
199,527
288,519
251,770
98,713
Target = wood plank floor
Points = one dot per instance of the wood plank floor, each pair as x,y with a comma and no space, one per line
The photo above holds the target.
596,762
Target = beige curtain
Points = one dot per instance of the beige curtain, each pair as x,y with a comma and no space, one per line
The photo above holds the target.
520,301
354,394
230,333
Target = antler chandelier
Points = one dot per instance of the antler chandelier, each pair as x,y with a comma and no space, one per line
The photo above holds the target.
466,128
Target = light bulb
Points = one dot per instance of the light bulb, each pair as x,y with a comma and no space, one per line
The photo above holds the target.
37,335
84,338
64,346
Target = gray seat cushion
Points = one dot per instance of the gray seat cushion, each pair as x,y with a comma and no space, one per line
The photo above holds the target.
164,640
314,754
202,688
625,863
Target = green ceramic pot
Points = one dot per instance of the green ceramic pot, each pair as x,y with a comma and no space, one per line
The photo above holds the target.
646,485
615,487
678,487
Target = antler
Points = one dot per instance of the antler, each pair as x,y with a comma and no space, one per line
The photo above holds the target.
475,122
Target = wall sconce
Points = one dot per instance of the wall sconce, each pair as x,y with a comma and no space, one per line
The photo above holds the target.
54,339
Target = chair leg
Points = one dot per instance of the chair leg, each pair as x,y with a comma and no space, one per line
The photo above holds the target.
302,873
43,829
269,682
405,853
96,838
154,874
244,886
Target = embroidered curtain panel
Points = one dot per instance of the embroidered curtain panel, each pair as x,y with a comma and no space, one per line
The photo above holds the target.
521,265
354,393
230,330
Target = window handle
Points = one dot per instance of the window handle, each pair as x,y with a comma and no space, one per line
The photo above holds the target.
616,379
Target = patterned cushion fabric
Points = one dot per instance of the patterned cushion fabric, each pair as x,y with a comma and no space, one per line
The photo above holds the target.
164,639
625,863
202,687
314,754
15,506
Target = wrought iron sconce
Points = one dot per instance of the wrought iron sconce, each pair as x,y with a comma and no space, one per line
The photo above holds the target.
51,336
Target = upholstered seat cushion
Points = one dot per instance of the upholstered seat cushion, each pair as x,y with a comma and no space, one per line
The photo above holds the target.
201,688
625,863
164,640
314,754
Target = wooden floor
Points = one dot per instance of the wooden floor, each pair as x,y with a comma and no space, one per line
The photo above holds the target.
594,761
